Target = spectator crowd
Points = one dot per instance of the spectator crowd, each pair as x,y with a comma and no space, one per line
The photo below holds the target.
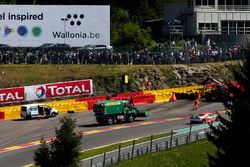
160,54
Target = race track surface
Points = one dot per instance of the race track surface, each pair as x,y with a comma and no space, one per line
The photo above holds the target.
163,117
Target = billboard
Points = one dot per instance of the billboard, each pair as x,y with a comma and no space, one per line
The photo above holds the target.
10,95
59,89
69,88
34,25
35,92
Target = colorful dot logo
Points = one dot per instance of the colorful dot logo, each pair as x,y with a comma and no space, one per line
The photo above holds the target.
22,31
7,31
36,31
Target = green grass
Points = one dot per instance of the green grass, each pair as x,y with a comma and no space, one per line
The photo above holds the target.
20,75
191,155
90,153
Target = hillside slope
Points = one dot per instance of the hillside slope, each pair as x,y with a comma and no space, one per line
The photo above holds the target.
107,78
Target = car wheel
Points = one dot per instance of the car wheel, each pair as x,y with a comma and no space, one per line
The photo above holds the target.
131,118
53,114
28,117
110,121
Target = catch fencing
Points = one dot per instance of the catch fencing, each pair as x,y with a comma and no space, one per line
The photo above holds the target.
153,145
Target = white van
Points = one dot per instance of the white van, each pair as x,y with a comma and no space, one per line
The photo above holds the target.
37,110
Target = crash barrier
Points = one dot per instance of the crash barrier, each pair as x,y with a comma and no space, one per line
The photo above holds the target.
10,112
138,98
13,112
68,105
1,115
83,104
137,149
165,95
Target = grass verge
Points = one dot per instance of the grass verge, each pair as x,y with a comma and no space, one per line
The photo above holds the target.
93,152
194,155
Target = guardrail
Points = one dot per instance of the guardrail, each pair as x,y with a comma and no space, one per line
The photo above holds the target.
182,136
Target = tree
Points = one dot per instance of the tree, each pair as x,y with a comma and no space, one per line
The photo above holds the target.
132,35
64,150
232,136
42,155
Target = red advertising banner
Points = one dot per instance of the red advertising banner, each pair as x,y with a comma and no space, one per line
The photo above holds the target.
12,95
71,88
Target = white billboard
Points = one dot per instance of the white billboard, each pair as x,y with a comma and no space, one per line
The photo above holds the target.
34,25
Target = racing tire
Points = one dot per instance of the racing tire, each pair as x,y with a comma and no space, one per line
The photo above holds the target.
130,118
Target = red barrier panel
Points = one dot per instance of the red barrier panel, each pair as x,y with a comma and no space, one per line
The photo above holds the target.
138,98
1,115
96,98
91,105
145,99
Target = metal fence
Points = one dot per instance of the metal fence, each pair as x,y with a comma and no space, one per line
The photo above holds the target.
154,145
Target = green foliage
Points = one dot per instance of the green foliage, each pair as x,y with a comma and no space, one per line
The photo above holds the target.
118,15
133,35
232,137
64,150
42,155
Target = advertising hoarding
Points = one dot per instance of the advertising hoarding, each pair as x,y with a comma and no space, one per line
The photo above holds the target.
69,88
34,25
10,95
35,92
59,89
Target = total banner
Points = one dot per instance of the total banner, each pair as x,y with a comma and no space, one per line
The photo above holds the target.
59,89
10,95
69,88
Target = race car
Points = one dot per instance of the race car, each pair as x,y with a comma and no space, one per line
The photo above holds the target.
205,117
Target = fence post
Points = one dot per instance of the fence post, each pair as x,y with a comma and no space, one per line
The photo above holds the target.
190,130
104,160
166,147
171,138
197,136
133,147
186,139
91,162
177,142
151,143
119,153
